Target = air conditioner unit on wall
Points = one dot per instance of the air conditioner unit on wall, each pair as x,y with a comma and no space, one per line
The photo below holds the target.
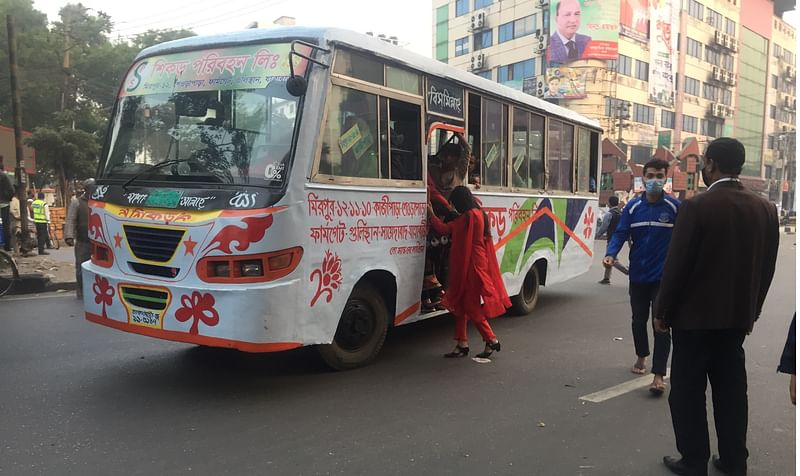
716,72
718,37
477,21
477,62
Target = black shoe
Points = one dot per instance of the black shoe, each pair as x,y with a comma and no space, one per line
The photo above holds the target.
728,469
679,466
488,350
459,352
604,281
43,253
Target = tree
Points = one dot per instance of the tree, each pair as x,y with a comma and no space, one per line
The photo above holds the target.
64,154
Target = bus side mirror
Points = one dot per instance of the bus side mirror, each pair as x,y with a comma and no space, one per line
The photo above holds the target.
296,85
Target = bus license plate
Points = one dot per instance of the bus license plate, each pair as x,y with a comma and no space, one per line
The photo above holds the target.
146,318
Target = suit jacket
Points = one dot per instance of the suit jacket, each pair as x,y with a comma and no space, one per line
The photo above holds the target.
721,260
557,52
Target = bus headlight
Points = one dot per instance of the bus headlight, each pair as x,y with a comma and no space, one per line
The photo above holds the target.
251,268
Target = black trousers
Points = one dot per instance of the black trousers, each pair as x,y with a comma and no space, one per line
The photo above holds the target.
42,235
643,297
716,355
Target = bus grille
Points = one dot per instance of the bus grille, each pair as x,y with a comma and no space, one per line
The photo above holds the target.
153,244
145,298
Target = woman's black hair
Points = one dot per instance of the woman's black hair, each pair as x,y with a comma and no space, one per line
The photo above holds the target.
462,199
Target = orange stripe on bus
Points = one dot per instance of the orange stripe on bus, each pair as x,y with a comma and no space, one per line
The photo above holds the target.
193,339
406,314
256,211
524,226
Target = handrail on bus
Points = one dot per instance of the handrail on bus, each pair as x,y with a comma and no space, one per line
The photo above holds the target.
297,85
443,126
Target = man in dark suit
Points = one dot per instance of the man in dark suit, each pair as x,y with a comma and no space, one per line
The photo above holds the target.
566,44
719,267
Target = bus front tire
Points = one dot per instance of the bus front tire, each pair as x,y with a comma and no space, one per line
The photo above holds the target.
524,302
361,330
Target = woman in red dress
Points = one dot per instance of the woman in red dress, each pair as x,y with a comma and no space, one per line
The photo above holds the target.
473,273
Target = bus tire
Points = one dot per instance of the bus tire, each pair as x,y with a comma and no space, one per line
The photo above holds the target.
524,302
361,330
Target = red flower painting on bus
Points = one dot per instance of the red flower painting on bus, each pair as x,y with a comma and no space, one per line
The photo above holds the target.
200,308
588,220
329,276
103,293
254,230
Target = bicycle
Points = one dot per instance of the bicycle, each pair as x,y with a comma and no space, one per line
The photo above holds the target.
53,243
9,273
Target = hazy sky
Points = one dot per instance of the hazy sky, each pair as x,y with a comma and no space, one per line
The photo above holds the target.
409,20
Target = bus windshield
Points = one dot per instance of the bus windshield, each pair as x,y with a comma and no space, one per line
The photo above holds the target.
231,122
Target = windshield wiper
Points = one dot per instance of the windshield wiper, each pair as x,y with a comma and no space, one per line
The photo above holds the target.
153,168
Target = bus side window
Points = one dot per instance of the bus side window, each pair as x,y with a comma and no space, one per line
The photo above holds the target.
350,135
404,140
560,156
493,153
536,145
584,161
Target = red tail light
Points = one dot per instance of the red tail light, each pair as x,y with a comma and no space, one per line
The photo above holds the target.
249,268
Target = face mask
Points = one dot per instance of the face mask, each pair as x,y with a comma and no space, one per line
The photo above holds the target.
706,176
654,185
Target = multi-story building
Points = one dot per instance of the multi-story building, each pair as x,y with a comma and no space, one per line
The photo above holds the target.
720,74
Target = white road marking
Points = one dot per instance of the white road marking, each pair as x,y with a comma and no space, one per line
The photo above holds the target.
621,389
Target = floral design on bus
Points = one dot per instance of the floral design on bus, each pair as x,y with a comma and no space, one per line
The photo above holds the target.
254,231
588,221
200,308
103,293
329,276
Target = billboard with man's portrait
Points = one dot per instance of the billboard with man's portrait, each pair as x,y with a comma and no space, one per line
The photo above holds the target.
583,29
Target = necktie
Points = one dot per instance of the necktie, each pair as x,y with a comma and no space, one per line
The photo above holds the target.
572,52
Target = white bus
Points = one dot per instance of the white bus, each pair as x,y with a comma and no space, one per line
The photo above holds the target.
266,189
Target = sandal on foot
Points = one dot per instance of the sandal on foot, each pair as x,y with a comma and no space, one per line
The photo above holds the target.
458,352
638,370
487,351
657,389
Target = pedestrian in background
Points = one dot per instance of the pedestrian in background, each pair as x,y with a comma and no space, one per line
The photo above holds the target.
77,231
16,223
473,273
719,268
646,223
607,228
41,218
6,194
787,365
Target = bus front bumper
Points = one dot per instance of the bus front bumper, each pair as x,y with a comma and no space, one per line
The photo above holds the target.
251,318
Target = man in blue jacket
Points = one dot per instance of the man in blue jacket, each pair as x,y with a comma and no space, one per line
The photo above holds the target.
647,221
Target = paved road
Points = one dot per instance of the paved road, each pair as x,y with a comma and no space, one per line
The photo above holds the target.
82,399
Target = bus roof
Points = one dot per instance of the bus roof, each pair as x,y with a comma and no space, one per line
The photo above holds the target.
370,44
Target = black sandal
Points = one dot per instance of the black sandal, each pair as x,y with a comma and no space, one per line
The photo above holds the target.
489,349
459,352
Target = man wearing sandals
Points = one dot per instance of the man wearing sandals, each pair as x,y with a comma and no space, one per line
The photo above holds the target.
647,222
718,270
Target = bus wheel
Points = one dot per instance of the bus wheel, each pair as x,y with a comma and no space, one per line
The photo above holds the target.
524,302
361,331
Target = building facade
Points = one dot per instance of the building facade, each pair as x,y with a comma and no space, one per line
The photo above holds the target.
728,54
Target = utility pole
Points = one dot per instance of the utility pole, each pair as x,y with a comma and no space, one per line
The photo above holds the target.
16,111
623,112
65,64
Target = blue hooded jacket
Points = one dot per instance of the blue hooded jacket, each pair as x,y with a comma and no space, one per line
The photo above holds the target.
649,227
